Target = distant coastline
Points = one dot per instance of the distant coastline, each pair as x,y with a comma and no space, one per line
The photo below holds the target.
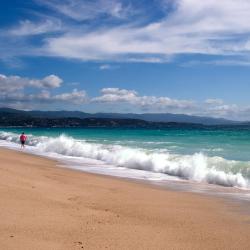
19,118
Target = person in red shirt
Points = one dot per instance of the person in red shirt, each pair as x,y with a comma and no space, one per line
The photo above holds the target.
23,139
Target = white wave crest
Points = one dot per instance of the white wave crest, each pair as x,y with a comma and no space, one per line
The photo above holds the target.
197,167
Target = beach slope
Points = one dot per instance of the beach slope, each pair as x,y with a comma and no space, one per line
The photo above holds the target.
43,206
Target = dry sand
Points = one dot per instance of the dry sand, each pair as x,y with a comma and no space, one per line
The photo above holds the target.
43,206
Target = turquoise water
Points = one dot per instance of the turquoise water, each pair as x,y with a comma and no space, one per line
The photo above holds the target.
214,155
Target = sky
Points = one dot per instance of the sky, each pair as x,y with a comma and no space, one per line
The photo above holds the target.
140,56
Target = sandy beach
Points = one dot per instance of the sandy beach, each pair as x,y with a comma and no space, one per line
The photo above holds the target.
43,206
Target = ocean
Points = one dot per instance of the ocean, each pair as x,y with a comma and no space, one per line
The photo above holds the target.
211,155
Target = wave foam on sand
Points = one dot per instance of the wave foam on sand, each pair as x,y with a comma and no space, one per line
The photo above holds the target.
197,167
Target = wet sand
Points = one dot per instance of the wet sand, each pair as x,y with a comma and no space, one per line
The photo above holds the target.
43,206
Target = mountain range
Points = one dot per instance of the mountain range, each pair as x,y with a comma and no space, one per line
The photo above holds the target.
149,117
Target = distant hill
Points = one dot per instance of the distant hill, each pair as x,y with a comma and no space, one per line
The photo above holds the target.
149,117
10,118
167,117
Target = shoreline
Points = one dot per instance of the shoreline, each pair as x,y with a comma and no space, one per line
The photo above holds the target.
172,183
48,207
138,162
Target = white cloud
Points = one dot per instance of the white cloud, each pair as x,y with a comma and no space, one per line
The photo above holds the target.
14,89
116,95
214,101
189,26
218,108
104,67
51,81
210,107
13,93
13,83
230,111
242,61
108,67
194,26
86,10
75,97
28,28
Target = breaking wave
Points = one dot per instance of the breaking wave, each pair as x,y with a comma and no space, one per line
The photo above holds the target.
197,167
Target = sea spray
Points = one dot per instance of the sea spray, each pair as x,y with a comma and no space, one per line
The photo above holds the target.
196,167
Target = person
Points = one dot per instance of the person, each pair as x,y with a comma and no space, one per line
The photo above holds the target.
23,139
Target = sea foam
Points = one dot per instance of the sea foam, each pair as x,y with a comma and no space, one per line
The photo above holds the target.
197,167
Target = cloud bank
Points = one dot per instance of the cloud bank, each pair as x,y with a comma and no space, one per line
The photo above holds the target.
15,92
12,83
48,93
206,27
116,95
114,30
87,10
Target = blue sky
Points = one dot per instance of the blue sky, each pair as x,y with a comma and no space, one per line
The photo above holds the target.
178,56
